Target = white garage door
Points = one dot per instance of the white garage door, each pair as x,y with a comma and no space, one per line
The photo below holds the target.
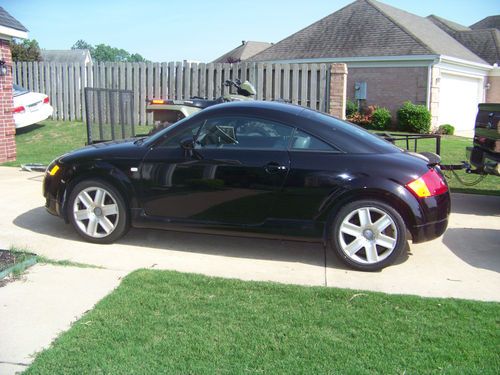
458,100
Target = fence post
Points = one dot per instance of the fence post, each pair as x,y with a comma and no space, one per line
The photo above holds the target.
338,90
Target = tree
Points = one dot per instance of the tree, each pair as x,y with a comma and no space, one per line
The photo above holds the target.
81,44
103,52
27,50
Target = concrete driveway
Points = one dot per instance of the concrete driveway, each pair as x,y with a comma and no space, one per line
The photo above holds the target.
464,263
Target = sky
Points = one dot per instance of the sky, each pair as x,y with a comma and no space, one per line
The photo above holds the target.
198,30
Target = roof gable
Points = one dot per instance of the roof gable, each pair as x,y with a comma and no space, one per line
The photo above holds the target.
487,23
8,21
483,42
243,52
447,25
367,28
66,56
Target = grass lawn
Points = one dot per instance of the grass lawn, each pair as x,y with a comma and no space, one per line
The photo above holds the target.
43,142
168,322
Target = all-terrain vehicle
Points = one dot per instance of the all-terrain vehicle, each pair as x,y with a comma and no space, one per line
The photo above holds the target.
167,111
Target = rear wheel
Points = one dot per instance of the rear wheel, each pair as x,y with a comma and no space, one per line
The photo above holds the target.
97,211
368,235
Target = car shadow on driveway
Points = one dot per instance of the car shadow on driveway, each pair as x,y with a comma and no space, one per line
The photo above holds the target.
477,247
39,221
472,204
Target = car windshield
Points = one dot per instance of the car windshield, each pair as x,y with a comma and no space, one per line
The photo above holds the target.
18,90
152,139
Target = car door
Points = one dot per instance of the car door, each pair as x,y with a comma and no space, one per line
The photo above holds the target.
316,171
230,175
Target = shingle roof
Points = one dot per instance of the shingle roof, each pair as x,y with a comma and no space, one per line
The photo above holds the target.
243,52
447,25
483,42
8,21
367,28
487,23
65,56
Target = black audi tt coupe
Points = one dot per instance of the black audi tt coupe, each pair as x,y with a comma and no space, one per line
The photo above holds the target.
262,169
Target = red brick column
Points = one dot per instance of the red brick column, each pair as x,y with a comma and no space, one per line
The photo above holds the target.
7,125
338,90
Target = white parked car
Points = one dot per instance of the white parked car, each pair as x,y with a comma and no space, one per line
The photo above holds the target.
30,107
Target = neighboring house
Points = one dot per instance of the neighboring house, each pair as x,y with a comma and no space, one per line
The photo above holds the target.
243,52
81,56
482,38
9,28
399,56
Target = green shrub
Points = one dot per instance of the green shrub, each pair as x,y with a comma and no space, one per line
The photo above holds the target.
381,119
414,118
446,129
350,108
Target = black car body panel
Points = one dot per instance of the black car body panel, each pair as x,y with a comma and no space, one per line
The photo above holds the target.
279,192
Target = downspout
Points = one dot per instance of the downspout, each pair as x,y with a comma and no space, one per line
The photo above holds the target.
429,80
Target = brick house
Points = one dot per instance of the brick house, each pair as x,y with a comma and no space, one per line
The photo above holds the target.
9,28
394,56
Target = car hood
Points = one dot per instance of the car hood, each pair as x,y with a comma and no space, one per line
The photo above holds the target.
113,150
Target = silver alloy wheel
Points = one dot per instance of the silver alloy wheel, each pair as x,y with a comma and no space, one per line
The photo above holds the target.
368,235
96,212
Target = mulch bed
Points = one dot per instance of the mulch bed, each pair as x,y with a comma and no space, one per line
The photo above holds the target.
9,259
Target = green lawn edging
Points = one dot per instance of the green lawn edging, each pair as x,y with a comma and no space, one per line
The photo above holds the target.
19,267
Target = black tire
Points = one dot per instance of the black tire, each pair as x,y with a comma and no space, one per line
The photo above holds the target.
109,226
377,248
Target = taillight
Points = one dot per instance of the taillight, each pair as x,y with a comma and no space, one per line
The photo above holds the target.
46,100
19,109
428,185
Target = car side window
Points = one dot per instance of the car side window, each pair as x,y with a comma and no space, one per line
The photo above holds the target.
305,141
244,133
174,140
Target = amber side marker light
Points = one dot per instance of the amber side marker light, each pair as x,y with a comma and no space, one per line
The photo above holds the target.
54,170
158,101
428,185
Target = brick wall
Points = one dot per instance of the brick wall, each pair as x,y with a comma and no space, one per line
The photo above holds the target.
7,125
493,92
338,86
390,87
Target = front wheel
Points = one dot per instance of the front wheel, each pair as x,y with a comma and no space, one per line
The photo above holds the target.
97,211
368,235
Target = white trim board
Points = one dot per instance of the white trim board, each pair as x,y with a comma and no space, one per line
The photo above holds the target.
12,33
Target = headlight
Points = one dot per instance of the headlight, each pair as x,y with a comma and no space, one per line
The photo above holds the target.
52,171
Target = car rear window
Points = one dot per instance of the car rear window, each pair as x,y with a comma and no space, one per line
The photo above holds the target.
352,130
18,90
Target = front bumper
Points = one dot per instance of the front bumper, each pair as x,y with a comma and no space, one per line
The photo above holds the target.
54,189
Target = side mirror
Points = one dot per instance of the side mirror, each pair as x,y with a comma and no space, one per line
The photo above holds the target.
187,144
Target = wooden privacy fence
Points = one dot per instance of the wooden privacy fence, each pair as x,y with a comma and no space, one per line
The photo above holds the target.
303,84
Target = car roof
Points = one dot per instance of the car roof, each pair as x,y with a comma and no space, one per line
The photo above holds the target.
256,105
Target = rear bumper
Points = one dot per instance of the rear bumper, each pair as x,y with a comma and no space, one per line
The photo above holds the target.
487,162
431,218
30,118
429,231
